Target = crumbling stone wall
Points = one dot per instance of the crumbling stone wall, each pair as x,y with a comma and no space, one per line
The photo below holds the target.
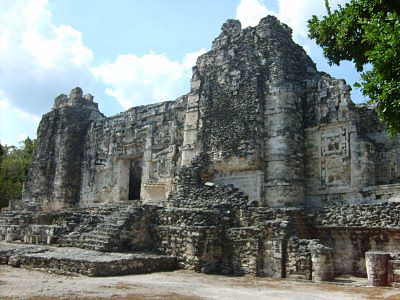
151,135
309,259
352,230
63,227
348,155
53,179
247,93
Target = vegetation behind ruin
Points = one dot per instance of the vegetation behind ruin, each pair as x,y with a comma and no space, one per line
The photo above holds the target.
14,163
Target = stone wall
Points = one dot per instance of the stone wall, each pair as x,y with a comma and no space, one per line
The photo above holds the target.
53,180
247,95
353,230
309,259
150,135
249,182
348,154
246,250
207,232
383,215
63,227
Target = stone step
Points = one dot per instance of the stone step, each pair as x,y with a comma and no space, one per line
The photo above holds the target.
115,222
105,237
119,217
101,234
114,219
110,226
106,230
101,238
96,238
93,243
95,247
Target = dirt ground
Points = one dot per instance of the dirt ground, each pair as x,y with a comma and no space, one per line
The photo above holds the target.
178,285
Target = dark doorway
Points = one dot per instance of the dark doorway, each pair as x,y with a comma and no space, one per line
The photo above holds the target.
135,179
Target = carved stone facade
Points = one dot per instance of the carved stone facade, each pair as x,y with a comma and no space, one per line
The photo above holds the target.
258,112
219,178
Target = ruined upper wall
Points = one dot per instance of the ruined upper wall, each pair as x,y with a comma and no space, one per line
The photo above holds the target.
75,98
53,180
149,136
235,83
245,112
348,153
263,119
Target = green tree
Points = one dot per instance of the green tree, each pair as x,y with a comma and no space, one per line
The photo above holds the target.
366,32
14,164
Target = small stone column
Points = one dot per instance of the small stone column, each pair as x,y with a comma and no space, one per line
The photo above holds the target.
377,267
322,262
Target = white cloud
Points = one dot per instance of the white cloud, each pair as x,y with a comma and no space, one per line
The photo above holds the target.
7,108
293,13
249,12
296,13
135,80
26,116
4,104
38,59
15,124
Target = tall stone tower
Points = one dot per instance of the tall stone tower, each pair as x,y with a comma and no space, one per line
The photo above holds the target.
245,111
53,179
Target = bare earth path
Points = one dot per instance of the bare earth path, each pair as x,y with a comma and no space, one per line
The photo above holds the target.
22,283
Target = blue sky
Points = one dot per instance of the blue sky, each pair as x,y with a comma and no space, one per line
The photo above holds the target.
126,52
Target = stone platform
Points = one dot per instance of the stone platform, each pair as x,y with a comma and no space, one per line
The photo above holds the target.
70,261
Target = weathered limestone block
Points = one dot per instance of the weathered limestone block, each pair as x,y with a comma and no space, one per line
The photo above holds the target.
195,247
298,261
322,262
273,253
394,273
377,268
246,250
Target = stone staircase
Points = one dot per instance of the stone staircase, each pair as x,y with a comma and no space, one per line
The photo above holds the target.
106,236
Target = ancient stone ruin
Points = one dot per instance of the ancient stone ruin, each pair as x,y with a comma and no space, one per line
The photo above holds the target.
265,167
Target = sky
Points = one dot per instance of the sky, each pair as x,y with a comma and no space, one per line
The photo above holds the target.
124,52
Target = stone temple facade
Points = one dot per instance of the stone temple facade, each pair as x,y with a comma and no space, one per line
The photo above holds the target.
265,167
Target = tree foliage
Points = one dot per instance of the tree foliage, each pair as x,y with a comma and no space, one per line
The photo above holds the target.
366,32
14,163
